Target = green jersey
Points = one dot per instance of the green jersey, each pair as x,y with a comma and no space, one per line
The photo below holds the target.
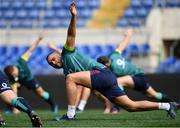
121,67
24,72
74,61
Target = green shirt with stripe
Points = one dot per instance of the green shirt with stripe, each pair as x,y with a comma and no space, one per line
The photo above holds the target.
74,61
121,67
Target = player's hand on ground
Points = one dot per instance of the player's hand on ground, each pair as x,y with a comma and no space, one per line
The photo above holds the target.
73,9
129,32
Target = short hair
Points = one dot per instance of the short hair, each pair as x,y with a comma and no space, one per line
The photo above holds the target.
48,57
103,60
8,70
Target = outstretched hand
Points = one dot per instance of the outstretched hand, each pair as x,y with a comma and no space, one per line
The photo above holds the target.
52,46
129,32
40,37
73,9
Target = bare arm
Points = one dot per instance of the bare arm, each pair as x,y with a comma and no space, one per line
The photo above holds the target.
55,48
29,52
123,44
70,42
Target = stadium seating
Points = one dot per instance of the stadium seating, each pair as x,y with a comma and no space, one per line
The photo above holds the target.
38,58
170,65
14,14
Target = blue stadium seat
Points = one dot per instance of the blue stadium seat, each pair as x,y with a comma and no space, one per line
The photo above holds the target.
135,22
173,3
51,24
41,4
57,4
26,24
147,3
85,13
129,13
132,49
15,24
5,4
123,22
93,3
49,14
9,14
29,5
17,4
144,49
82,4
80,23
84,49
21,14
64,23
33,14
61,13
141,13
3,24
1,14
136,4
177,66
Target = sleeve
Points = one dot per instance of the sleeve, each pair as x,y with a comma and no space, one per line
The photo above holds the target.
69,49
117,51
13,84
24,58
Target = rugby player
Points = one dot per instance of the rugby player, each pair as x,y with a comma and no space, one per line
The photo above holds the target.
21,74
9,97
80,70
128,74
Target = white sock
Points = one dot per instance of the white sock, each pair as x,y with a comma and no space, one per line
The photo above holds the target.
82,105
71,111
164,106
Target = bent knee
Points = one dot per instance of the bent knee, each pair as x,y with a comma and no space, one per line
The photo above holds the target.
69,77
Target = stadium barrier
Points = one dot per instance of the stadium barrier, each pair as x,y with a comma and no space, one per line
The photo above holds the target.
55,84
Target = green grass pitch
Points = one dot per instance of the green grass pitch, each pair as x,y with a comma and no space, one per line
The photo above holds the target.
95,118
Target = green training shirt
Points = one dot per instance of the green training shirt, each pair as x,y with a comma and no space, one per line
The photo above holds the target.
74,61
24,72
121,67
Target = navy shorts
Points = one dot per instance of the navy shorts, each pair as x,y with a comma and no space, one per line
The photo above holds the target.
4,83
30,84
104,81
140,82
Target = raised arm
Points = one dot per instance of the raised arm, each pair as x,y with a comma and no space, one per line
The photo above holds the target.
29,52
123,44
55,48
70,42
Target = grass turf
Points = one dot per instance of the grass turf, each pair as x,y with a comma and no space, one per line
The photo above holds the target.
95,118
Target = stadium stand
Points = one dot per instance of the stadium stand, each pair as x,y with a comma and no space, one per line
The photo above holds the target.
53,14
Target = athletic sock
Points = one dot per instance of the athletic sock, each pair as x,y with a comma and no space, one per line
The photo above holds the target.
48,99
71,111
164,106
82,105
22,105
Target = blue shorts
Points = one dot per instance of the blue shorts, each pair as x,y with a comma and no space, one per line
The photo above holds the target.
30,84
104,81
140,82
4,83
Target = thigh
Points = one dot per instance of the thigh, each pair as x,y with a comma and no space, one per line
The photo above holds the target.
30,84
7,96
126,81
81,78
